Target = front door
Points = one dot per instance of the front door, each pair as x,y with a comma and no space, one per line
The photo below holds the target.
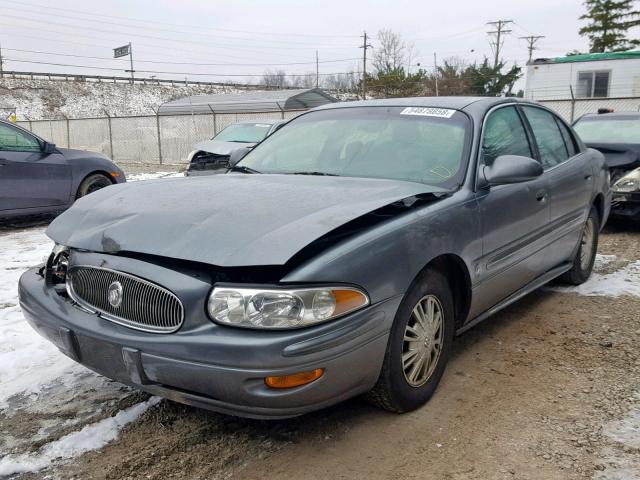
30,178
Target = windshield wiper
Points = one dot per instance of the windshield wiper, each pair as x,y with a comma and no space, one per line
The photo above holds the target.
242,169
320,174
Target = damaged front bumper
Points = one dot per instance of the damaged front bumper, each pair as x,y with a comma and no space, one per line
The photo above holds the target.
212,366
626,205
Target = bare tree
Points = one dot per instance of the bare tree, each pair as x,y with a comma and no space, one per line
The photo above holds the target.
342,82
308,80
275,78
392,53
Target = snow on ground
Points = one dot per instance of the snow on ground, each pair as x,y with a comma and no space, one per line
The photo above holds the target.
151,176
36,377
91,437
625,281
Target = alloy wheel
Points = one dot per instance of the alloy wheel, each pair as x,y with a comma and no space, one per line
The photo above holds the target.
422,343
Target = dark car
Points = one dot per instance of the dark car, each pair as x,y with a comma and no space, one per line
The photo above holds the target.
617,136
213,155
367,235
36,177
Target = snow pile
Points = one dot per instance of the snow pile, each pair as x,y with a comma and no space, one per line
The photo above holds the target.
625,281
91,437
151,176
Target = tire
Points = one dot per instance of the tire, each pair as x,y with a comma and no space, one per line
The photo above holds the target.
399,389
586,254
93,183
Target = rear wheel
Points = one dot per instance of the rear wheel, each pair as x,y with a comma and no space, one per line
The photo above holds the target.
419,346
93,183
586,254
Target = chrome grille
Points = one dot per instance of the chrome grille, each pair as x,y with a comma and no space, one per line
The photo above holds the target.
144,305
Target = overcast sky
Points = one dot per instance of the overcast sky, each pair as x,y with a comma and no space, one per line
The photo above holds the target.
266,33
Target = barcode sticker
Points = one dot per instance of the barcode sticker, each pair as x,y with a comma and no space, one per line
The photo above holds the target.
428,112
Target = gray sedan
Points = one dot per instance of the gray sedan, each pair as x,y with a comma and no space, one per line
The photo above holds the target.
36,177
366,236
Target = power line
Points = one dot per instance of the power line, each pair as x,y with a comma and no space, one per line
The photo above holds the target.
185,63
154,37
199,27
498,33
167,72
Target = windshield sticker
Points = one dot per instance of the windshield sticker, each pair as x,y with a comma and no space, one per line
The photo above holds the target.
265,125
428,112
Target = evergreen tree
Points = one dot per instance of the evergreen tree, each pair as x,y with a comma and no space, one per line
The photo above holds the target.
609,21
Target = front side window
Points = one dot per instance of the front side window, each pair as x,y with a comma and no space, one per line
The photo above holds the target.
593,84
416,144
14,139
504,134
549,139
244,133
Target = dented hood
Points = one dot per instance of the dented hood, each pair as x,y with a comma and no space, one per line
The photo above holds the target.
225,220
221,148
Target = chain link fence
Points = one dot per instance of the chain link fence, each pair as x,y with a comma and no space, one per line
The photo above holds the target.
153,139
572,109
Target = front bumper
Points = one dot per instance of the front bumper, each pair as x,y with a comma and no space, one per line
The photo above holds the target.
216,367
625,205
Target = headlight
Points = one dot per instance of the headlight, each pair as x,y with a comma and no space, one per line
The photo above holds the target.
56,271
629,183
262,308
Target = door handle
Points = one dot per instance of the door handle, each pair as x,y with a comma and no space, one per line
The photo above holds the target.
541,195
588,176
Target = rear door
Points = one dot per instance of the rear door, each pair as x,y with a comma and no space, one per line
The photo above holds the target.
30,178
571,178
514,217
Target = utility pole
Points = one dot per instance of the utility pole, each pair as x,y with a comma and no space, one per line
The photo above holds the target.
498,33
317,71
435,73
531,40
364,47
1,72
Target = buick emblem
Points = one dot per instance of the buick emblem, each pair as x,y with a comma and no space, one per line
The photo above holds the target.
114,294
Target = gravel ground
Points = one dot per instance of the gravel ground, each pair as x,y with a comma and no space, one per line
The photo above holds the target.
548,388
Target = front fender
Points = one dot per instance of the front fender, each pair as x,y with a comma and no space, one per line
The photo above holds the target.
386,258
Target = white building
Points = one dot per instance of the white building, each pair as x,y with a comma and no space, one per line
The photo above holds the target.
580,84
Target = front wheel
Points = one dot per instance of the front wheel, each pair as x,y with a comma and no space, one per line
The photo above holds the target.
92,183
586,254
419,346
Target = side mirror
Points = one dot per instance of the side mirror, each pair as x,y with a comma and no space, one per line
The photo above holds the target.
48,147
238,155
511,169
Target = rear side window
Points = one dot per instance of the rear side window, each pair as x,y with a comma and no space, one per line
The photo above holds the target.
568,138
551,143
504,134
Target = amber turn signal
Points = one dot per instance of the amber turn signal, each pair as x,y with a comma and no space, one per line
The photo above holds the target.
294,380
114,174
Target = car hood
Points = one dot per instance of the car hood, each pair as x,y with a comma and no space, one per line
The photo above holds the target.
619,155
221,148
225,220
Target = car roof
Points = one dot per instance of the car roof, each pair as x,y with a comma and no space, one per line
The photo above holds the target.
456,103
612,115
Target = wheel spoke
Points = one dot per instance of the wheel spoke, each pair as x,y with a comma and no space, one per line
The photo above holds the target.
409,358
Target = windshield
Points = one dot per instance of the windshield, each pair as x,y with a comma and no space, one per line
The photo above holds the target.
244,132
418,144
606,129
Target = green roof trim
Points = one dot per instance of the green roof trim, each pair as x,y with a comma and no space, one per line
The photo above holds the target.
590,57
